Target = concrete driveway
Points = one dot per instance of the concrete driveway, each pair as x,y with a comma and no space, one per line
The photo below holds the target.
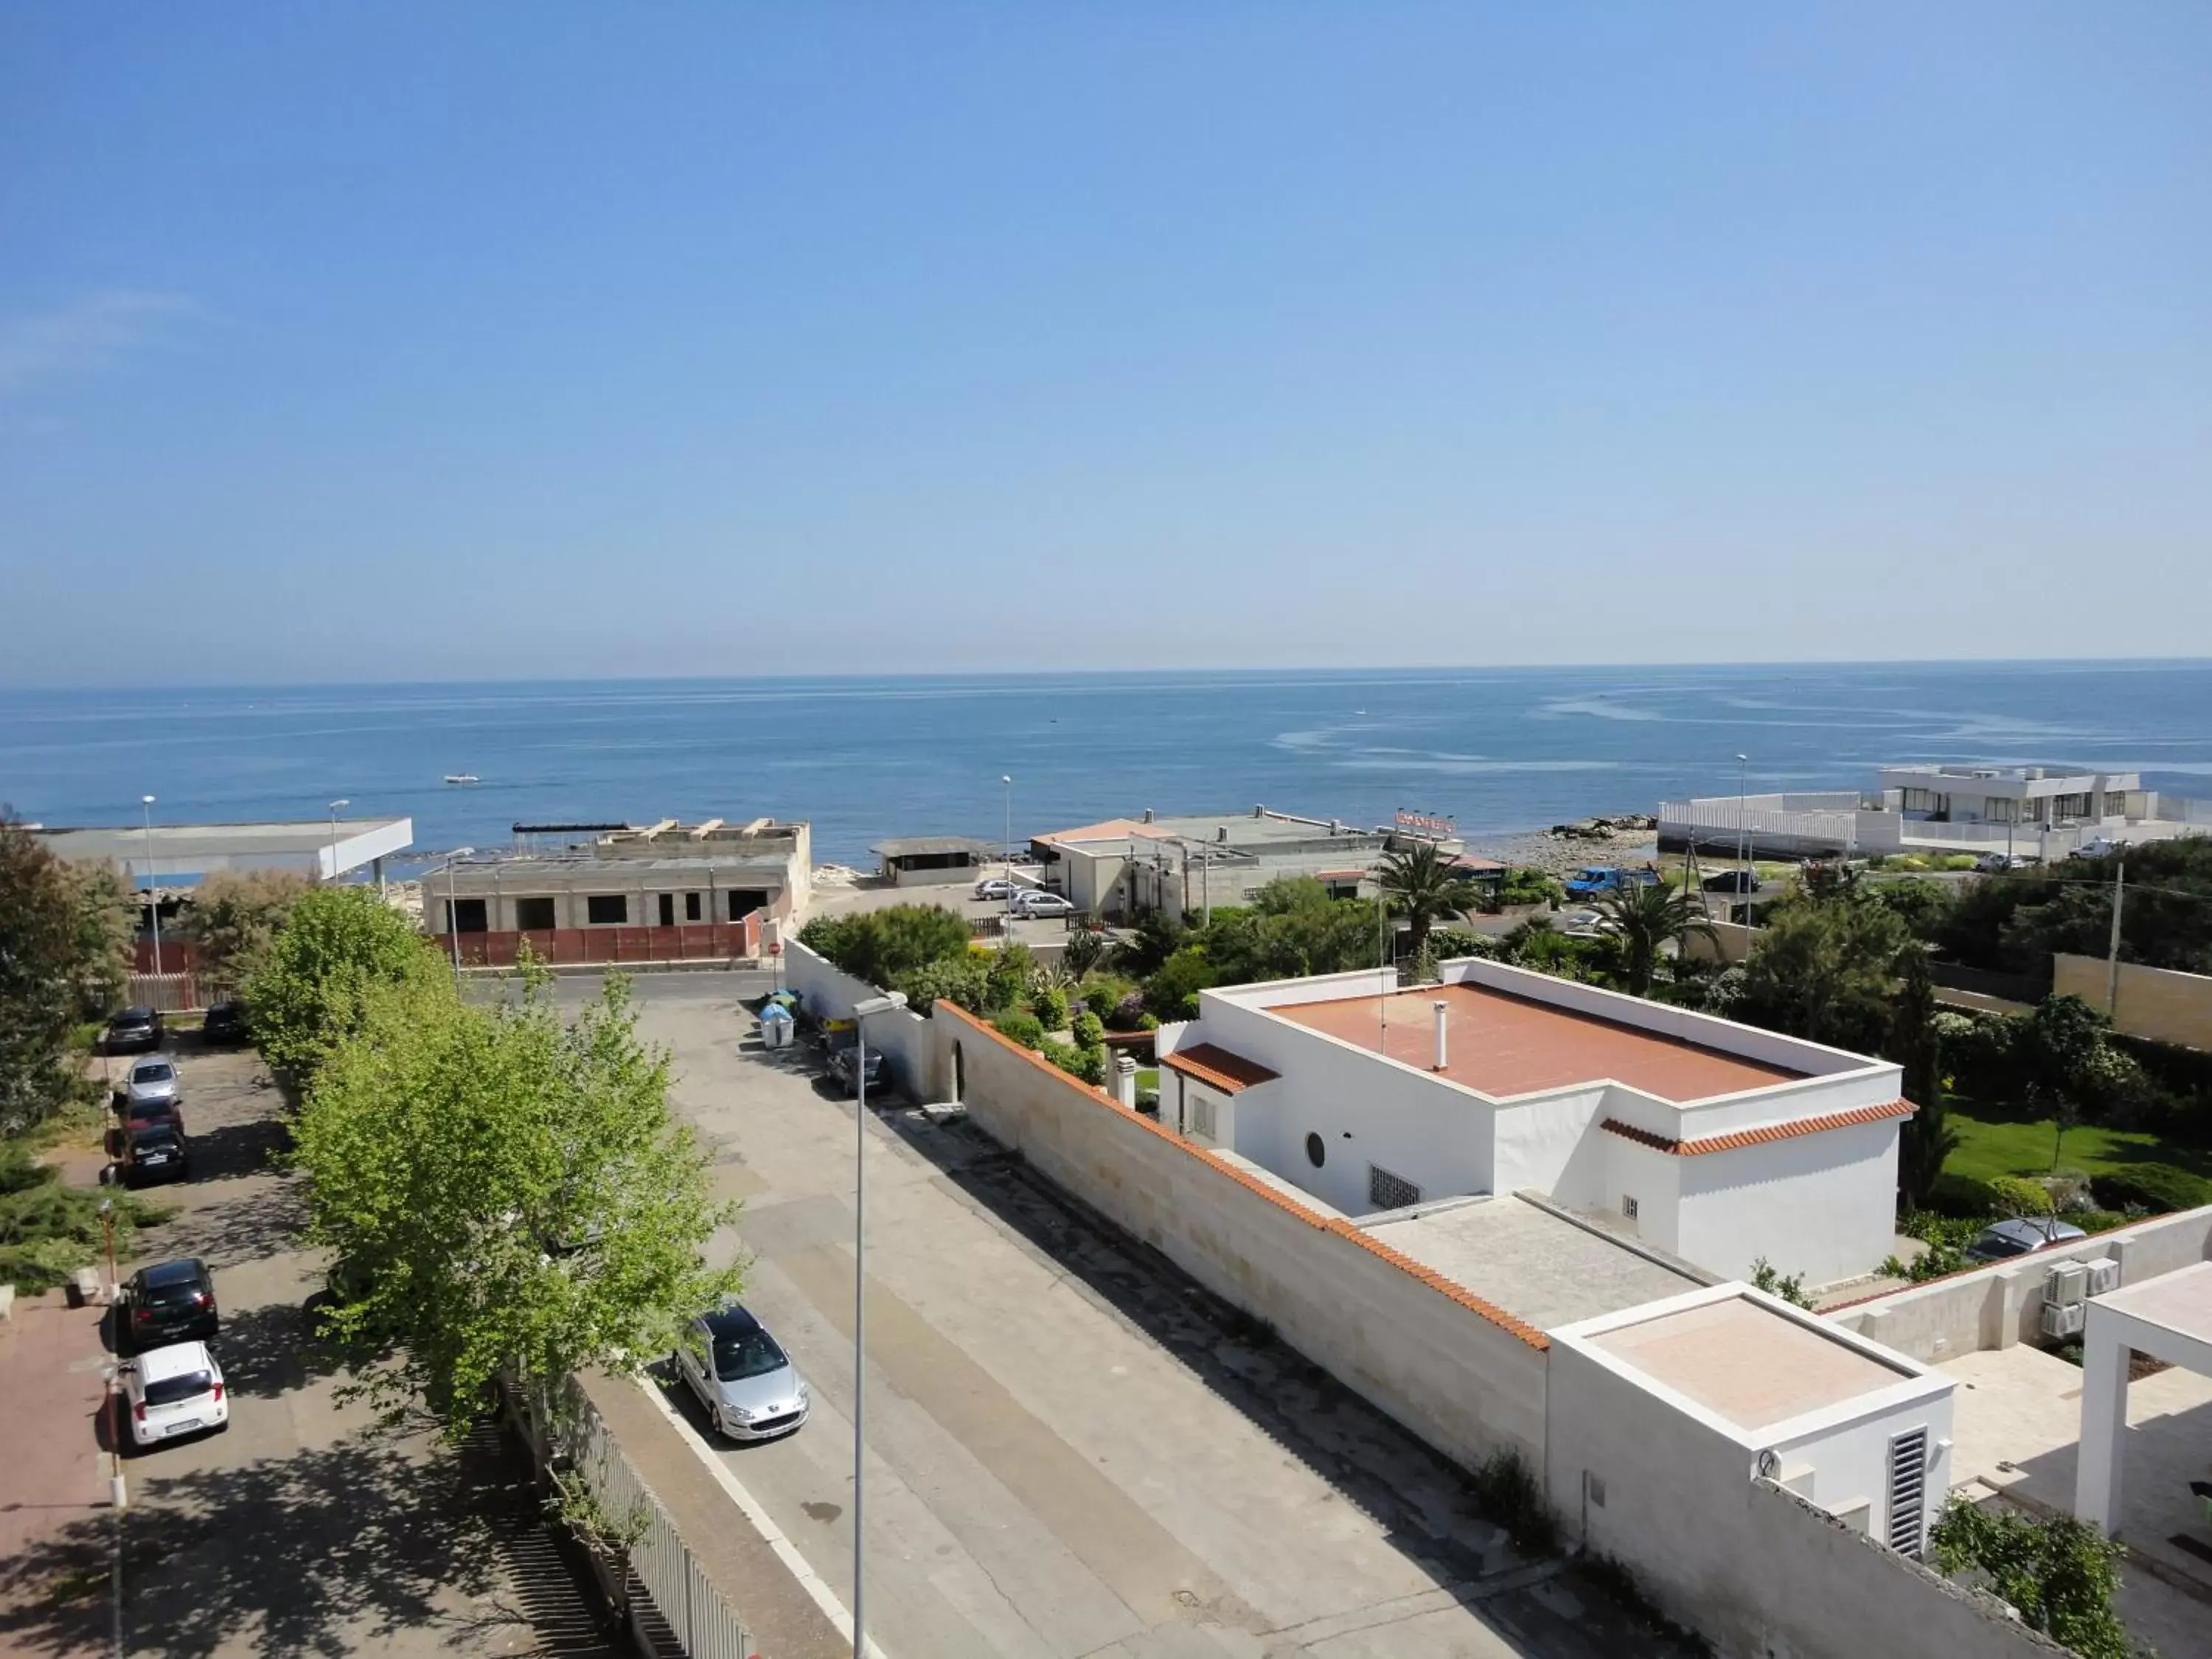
1072,1449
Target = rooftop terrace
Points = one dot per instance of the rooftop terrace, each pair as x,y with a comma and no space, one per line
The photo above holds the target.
1501,1045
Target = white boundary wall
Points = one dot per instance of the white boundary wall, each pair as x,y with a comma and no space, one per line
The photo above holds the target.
827,991
2001,1304
1393,1332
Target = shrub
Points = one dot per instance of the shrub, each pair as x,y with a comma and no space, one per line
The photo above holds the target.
1090,1031
1127,1014
1508,1494
2017,1195
2058,1572
1172,992
881,945
1023,1028
1530,887
1953,861
1450,943
2156,1189
1963,1196
1088,1063
1010,976
1050,1006
957,980
1790,1289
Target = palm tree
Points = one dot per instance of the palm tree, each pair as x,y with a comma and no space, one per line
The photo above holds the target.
1642,917
1418,885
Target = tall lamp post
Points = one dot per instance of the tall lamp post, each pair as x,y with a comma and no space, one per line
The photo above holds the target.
861,1011
1007,779
1743,833
453,910
341,801
153,892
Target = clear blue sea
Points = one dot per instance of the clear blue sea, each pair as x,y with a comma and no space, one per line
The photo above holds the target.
1500,750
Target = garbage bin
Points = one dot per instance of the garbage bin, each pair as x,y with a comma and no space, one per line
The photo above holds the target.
776,1026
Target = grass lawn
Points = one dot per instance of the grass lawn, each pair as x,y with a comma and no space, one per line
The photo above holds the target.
1995,1142
1148,1077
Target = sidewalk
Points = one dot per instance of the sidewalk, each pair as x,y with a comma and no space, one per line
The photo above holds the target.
53,1480
783,1618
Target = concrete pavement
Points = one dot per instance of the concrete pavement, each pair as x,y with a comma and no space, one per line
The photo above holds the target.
1073,1450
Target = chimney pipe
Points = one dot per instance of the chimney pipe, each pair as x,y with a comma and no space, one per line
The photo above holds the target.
1443,1059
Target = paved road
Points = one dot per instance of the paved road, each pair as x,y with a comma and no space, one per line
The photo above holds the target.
303,1529
1072,1449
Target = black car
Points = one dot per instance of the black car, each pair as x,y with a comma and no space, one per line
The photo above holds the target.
155,1152
844,1069
132,1030
225,1023
169,1302
1732,881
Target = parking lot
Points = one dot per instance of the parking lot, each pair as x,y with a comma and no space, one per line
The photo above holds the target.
302,1529
1072,1448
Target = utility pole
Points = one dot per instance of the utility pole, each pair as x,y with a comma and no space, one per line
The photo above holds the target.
2112,966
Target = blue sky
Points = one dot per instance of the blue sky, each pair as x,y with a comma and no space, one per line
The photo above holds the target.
447,341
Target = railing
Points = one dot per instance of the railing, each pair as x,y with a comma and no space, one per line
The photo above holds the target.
706,1625
171,994
1774,821
699,941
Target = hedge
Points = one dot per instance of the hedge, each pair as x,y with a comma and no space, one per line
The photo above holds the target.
2159,1189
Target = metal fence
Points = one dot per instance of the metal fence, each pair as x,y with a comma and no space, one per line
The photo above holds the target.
662,1565
172,994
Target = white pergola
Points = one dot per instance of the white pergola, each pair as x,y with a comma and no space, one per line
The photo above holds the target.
2169,1318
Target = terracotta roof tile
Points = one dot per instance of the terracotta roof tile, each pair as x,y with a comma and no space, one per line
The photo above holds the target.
1218,1068
1738,1139
1514,1326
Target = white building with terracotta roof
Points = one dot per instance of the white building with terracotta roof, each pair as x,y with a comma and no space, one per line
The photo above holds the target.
1716,1143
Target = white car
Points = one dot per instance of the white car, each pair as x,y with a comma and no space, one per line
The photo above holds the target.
1586,924
997,887
746,1380
2096,846
152,1082
1036,902
173,1391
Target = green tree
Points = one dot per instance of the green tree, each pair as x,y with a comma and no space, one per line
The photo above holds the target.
960,981
42,969
1172,992
1645,916
2059,1573
1088,951
235,918
1826,971
2064,1051
1924,1139
307,994
880,945
508,1190
106,915
1011,977
1420,885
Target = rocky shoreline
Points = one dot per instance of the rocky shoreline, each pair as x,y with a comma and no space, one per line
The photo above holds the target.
1623,838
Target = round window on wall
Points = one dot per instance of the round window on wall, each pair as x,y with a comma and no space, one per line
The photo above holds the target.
1315,1152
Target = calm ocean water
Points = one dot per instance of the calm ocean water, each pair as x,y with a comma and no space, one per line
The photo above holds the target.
1498,749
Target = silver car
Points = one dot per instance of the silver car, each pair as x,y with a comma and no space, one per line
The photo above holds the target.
747,1383
152,1082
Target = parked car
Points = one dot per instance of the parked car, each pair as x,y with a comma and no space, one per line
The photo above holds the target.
2021,1236
153,1152
134,1028
1596,880
169,1302
1036,902
173,1391
225,1023
142,1114
997,887
844,1067
151,1082
1996,864
747,1383
2096,846
1731,881
1585,924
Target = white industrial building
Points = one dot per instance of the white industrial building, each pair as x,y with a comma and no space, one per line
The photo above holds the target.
1184,865
1716,1143
184,854
2027,811
667,874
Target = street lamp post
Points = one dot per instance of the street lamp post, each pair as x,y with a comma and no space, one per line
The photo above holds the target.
882,1004
335,804
1007,779
1743,833
153,892
453,910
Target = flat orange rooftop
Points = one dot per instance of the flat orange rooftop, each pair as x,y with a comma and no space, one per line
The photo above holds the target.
1503,1045
1746,1363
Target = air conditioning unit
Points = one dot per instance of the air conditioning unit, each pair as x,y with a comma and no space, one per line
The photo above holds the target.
2065,1282
2063,1320
2104,1275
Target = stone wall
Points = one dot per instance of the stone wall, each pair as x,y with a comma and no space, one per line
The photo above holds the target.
2156,1003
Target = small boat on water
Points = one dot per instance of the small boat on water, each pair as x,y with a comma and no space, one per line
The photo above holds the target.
462,777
